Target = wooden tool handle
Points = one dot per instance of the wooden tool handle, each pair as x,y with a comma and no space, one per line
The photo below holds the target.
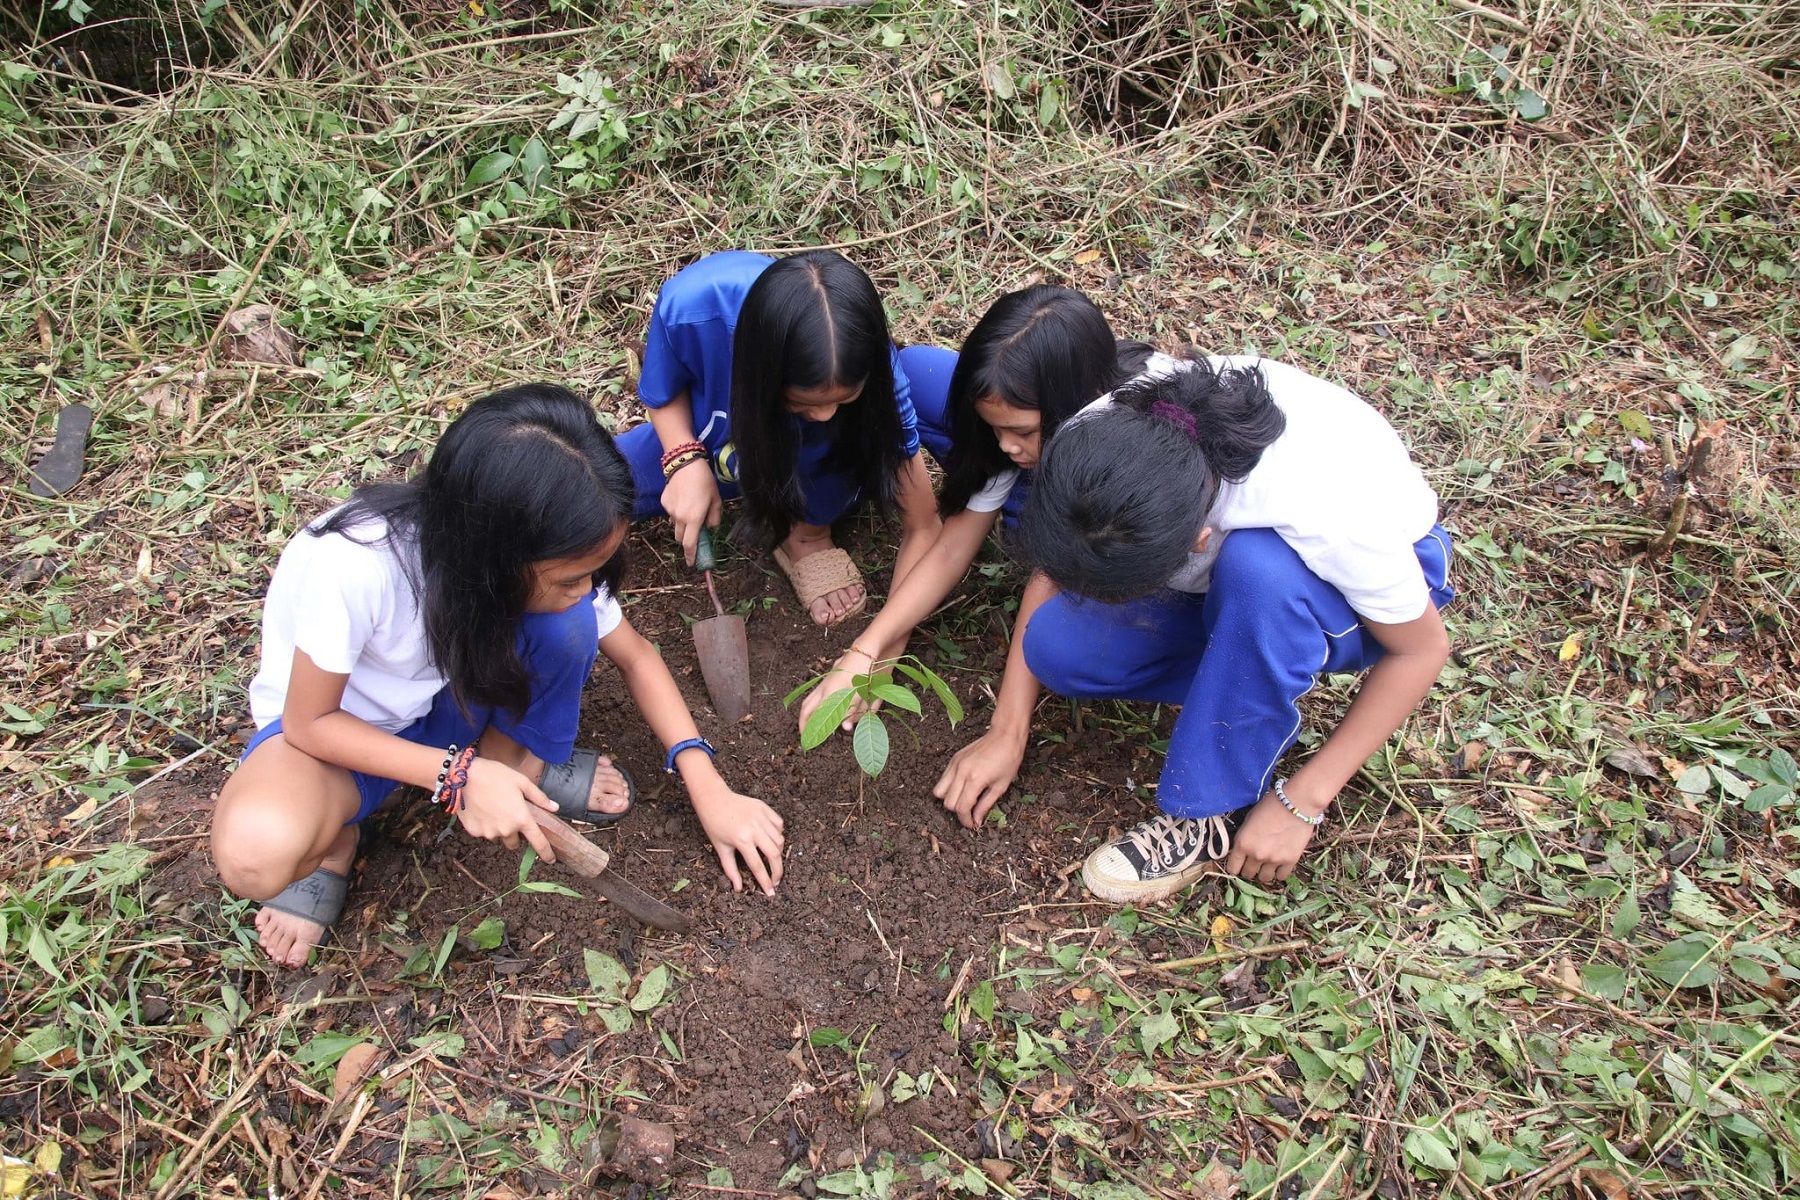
572,850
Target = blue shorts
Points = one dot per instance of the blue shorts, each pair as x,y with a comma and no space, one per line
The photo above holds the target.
559,650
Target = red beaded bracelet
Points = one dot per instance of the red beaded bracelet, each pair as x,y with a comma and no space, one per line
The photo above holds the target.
674,452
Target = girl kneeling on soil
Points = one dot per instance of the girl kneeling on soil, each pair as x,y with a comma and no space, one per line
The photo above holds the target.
1217,537
438,633
777,378
1033,360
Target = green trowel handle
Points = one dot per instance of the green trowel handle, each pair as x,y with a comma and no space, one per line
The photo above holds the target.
703,551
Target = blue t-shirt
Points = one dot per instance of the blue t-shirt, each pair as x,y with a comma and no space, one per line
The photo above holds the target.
689,348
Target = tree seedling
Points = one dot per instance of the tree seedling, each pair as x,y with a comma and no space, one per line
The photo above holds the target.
869,736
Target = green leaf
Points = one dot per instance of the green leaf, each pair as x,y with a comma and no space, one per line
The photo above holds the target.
1785,768
1695,781
1682,963
491,167
1049,103
1605,980
1157,1029
1428,1148
1750,971
999,79
720,1177
1689,1087
825,1036
534,160
527,861
899,697
607,976
489,934
1529,105
38,946
554,889
826,718
871,744
651,990
926,677
616,1018
446,948
982,999
1628,918
325,1049
1766,797
443,1043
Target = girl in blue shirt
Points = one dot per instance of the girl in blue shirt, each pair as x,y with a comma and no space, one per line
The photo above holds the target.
776,380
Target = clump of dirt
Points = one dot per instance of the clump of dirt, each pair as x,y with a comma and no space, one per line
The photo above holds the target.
884,901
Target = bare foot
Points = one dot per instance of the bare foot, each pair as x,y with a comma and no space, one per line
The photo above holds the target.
288,939
609,793
830,608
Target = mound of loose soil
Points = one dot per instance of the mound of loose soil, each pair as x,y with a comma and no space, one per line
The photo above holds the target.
885,900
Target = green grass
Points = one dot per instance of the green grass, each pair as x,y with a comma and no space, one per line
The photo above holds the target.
1552,945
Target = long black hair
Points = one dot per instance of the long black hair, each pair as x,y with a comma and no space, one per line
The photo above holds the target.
812,320
1044,348
1121,494
523,475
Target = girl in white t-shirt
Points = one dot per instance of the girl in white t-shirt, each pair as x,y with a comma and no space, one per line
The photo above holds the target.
1218,537
439,632
1033,360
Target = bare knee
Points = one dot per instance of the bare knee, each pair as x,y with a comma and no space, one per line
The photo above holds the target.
260,843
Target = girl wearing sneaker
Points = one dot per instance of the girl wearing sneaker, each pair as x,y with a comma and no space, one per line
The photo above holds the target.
1217,537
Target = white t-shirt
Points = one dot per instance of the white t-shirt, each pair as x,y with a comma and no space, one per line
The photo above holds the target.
993,493
1339,487
350,606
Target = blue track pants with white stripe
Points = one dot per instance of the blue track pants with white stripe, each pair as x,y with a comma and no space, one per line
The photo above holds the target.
1236,659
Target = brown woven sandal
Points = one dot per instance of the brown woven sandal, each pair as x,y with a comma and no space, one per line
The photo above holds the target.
820,574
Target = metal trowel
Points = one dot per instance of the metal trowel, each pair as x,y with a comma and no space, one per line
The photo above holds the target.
723,646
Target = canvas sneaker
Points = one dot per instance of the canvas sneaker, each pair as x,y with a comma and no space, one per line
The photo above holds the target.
1159,857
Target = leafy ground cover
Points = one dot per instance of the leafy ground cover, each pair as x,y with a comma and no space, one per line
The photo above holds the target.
1549,950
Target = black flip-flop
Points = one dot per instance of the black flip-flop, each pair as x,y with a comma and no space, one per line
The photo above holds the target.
60,468
570,784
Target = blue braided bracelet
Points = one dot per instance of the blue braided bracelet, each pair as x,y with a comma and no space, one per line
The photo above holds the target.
696,743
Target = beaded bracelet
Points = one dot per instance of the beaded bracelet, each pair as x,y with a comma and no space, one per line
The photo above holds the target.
452,779
1281,795
443,770
693,743
692,456
685,450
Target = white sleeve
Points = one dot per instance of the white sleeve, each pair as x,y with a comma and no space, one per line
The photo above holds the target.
607,612
993,493
342,596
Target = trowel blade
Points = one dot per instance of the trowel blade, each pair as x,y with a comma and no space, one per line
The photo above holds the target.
724,650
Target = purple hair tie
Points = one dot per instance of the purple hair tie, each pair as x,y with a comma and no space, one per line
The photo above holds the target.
1177,416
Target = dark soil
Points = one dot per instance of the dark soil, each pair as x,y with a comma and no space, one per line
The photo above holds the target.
885,899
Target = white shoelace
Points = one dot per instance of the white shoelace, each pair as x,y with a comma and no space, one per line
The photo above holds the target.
1168,839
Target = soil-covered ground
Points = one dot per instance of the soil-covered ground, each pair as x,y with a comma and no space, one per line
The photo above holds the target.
790,1017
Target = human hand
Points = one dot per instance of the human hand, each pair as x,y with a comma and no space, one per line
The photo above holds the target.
691,498
497,803
979,774
1269,843
744,827
840,678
